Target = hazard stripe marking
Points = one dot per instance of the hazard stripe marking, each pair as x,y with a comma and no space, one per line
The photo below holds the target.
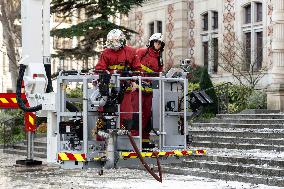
64,156
4,100
70,156
31,120
14,100
78,157
176,153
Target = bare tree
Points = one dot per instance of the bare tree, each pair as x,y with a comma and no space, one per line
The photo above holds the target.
9,14
245,65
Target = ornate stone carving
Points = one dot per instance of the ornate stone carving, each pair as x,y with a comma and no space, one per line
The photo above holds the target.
139,29
269,31
169,41
191,27
229,22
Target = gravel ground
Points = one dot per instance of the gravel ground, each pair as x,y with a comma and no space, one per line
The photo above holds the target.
51,176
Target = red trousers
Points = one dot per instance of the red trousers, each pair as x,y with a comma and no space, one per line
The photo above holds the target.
146,113
126,106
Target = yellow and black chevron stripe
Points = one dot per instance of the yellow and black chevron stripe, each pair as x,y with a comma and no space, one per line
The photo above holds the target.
174,153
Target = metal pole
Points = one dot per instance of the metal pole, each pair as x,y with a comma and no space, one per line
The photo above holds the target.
30,152
185,92
111,149
140,113
117,82
163,134
160,112
85,116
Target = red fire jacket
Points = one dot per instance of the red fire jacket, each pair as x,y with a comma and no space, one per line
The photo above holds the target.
148,58
117,60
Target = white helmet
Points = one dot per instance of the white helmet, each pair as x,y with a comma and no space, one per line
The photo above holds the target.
156,37
115,39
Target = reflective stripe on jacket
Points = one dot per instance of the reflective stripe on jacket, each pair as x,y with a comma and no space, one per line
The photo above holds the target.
148,59
117,60
146,69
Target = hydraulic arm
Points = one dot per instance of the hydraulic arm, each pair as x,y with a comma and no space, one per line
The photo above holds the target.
35,65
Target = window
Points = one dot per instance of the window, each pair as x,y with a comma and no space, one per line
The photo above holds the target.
248,14
62,43
215,54
209,38
60,17
205,22
253,35
205,53
258,12
215,20
259,46
151,28
155,27
159,27
247,51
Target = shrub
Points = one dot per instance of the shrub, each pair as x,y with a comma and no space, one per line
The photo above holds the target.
194,73
16,114
238,95
12,126
75,93
206,83
193,87
257,100
42,128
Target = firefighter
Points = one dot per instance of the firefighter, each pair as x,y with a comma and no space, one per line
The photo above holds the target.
120,57
151,61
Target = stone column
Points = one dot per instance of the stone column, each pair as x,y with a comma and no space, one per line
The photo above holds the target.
275,93
180,33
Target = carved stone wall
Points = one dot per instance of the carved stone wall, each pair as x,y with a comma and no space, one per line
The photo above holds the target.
269,31
169,39
139,29
191,28
229,17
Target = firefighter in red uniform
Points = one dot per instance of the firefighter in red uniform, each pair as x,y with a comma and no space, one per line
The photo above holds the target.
150,59
120,57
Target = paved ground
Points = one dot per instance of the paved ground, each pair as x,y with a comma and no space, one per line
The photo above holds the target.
51,176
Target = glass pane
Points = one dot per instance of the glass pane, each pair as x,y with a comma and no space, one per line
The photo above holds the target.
159,27
151,28
215,20
215,54
259,46
248,14
247,51
258,12
205,22
205,53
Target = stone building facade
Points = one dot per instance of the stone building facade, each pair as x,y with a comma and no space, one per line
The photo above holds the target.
198,29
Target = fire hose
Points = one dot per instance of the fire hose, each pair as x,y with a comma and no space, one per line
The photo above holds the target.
144,163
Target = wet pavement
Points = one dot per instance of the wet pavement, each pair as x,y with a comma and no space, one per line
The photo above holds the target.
51,176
